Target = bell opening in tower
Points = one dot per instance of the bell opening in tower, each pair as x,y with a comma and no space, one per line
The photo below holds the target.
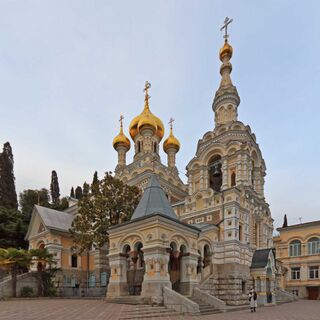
215,173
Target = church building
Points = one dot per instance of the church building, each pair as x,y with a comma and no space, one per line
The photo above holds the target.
218,237
205,241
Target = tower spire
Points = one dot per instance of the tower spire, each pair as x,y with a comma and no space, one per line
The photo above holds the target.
226,100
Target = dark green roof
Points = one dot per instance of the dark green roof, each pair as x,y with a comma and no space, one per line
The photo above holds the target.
260,258
154,201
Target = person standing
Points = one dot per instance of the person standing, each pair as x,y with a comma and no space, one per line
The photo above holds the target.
253,300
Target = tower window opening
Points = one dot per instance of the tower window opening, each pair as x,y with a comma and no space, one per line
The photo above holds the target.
233,179
139,146
215,174
155,148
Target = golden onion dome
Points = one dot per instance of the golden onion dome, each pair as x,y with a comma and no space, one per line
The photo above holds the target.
171,142
133,128
121,139
226,51
146,118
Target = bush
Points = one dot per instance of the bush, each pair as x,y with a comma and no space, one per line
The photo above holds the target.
27,292
51,292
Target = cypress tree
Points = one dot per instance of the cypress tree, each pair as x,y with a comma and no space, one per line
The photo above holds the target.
85,189
95,184
78,192
72,193
54,187
8,195
285,221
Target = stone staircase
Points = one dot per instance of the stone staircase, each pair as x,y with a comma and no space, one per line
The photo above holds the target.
205,308
131,300
146,312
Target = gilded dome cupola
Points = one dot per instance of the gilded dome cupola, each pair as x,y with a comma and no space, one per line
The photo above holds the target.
121,139
171,141
146,119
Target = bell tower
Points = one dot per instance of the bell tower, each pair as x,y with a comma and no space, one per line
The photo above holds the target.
226,100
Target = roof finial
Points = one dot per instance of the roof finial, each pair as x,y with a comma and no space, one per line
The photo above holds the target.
171,121
120,120
227,21
147,86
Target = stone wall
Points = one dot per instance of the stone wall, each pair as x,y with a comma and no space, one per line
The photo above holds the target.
23,280
231,283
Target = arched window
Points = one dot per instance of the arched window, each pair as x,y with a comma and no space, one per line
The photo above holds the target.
233,179
215,173
139,146
314,245
295,248
155,147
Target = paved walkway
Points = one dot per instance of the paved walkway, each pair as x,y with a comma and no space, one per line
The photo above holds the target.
70,309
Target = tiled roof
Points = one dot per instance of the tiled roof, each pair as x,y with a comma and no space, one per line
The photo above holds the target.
154,201
260,258
53,219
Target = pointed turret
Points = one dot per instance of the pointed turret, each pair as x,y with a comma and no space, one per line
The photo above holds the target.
226,100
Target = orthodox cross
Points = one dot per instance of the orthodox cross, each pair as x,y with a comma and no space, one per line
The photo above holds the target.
227,21
120,120
147,86
171,122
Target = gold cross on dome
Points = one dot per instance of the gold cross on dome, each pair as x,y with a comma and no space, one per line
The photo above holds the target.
147,86
171,122
227,21
120,120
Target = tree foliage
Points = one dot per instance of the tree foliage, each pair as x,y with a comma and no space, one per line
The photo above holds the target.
28,198
12,228
43,259
113,202
54,187
78,192
13,259
285,221
8,195
72,195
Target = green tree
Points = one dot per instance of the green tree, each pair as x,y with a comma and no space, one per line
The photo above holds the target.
12,228
8,195
72,195
112,203
85,189
28,198
95,183
43,259
78,192
13,259
54,187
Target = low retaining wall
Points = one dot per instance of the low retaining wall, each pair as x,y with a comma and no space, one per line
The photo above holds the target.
175,301
24,280
209,299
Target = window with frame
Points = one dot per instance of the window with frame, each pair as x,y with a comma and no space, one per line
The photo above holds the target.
295,248
295,273
314,272
295,292
314,246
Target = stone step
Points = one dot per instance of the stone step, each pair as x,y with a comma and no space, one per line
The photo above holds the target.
127,300
143,308
146,311
164,313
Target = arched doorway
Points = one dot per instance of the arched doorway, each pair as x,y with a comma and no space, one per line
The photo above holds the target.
174,266
206,256
135,268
